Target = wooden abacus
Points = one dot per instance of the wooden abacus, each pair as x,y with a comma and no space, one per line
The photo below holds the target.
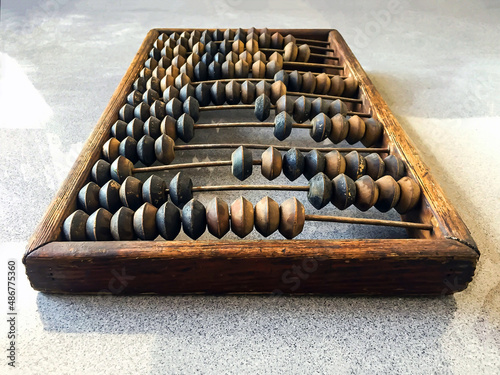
105,220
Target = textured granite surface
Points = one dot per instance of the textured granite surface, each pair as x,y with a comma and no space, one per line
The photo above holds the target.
437,66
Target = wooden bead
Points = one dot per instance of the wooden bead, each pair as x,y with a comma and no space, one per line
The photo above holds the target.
394,167
131,193
170,93
146,150
228,34
410,195
334,164
282,125
247,92
145,73
241,69
217,35
154,191
180,189
134,98
267,216
214,70
246,56
281,76
97,227
272,67
340,128
366,193
241,163
109,196
145,222
158,112
242,217
318,105
238,46
168,221
277,40
121,168
164,63
231,56
101,172
233,92
198,49
338,106
128,149
227,70
203,94
304,53
308,82
355,165
314,162
301,109
110,149
184,127
264,40
201,71
135,129
240,34
179,61
321,127
252,46
295,81
74,226
389,193
174,108
126,113
271,163
351,87
293,164
323,84
289,39
119,130
285,104
344,191
194,219
292,218
88,197
375,166
263,88
217,217
259,56
186,92
320,190
259,69
278,89
290,52
356,129
168,126
188,70
191,106
154,83
225,46
122,225
173,71
262,107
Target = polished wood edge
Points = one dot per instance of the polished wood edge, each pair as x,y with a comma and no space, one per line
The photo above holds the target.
298,33
49,228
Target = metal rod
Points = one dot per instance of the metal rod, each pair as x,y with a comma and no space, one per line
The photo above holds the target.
255,146
353,220
246,124
313,65
250,187
157,168
315,73
272,50
304,40
235,106
310,95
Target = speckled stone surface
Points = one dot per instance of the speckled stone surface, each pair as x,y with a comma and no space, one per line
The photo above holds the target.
435,63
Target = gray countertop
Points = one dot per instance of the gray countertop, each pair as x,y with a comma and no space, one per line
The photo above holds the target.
437,66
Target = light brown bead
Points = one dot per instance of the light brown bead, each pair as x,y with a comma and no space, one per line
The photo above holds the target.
242,217
277,40
275,56
247,92
167,81
258,69
389,193
246,56
217,217
167,127
273,67
292,218
410,195
110,150
259,56
375,166
252,46
373,132
271,163
356,129
267,216
351,87
337,86
340,128
164,149
172,70
290,52
238,46
278,89
334,164
366,193
263,87
308,82
232,56
323,84
304,53
145,222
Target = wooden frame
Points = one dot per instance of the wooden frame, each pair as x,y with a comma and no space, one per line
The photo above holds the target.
438,262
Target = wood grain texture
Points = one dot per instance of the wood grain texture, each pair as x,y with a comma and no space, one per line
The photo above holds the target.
410,266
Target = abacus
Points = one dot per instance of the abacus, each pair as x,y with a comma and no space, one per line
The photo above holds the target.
136,214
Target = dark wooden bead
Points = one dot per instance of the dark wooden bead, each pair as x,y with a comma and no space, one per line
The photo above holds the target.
164,62
134,98
122,225
215,70
228,34
200,72
88,197
375,166
240,34
182,45
191,62
319,105
355,165
285,104
271,163
146,150
351,87
168,51
293,164
344,191
181,189
301,109
194,219
292,218
227,69
146,73
170,93
220,57
174,36
264,40
247,92
295,81
135,129
336,107
218,93
131,193
233,92
142,111
283,124
277,41
217,217
74,226
373,132
225,47
323,84
321,127
281,76
217,35
263,88
157,110
290,52
150,96
389,193
187,91
119,130
110,149
181,80
340,128
173,71
308,82
314,162
154,191
262,107
259,69
211,48
168,221
242,217
410,195
101,172
121,168
128,149
139,84
241,69
394,167
278,89
145,222
152,127
151,63
205,37
164,149
98,226
320,190
203,94
241,163
185,128
126,113
191,106
267,216
356,129
174,108
272,67
366,193
109,196
334,164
